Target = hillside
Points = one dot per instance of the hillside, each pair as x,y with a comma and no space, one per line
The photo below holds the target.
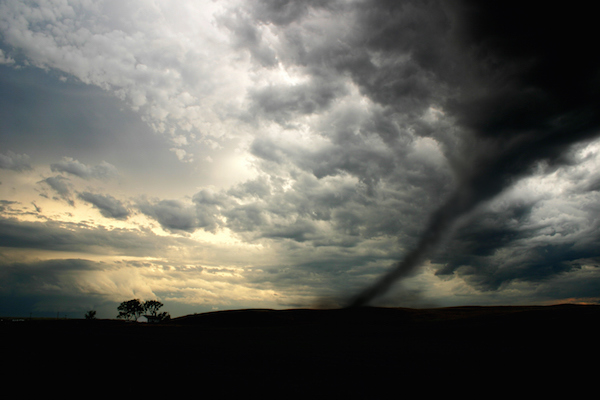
351,351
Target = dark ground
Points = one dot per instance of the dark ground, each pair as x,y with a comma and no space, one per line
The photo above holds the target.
357,353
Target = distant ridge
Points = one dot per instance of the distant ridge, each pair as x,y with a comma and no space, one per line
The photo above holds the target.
388,316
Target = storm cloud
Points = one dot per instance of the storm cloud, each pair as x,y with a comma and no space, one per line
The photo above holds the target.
366,151
529,107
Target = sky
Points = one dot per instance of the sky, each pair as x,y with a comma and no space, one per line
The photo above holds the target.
220,155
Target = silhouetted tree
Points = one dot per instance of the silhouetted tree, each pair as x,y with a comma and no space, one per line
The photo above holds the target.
131,309
90,314
164,316
152,306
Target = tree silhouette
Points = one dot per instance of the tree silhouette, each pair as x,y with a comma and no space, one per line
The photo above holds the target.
131,309
152,306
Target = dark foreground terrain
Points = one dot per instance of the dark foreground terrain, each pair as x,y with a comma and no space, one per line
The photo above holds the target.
345,353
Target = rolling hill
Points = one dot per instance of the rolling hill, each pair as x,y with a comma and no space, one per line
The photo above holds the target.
340,352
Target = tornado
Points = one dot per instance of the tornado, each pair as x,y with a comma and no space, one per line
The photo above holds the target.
530,91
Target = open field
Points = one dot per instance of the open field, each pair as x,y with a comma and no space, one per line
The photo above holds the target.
278,353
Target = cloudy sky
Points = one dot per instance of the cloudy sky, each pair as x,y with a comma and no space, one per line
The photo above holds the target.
278,154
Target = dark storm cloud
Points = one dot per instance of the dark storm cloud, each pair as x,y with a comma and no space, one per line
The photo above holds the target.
379,53
532,91
354,147
301,230
350,156
393,51
496,248
531,263
374,128
285,12
403,47
545,76
280,213
326,212
368,164
247,36
245,24
108,205
474,246
15,162
281,103
247,218
266,208
488,231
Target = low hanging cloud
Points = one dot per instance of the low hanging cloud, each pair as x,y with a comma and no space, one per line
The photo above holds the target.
106,204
